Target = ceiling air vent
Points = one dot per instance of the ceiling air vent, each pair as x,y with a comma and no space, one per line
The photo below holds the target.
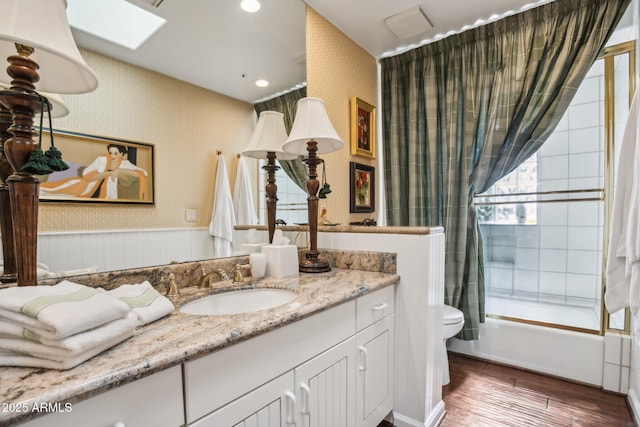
409,23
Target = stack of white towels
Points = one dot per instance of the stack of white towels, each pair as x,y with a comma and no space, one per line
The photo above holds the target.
63,325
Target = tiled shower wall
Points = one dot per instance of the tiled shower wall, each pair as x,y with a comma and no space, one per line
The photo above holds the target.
560,257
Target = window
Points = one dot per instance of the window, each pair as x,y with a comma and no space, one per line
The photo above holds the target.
505,210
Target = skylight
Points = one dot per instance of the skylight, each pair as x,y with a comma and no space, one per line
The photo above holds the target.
116,21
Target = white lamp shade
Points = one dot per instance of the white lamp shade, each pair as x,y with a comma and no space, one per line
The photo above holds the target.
312,123
58,107
268,136
43,25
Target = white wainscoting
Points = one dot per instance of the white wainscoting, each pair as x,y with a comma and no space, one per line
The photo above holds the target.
419,301
122,249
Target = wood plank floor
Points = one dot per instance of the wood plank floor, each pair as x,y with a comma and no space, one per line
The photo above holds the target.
483,394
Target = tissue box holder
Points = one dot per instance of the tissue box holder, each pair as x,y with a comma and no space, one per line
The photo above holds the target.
282,260
251,247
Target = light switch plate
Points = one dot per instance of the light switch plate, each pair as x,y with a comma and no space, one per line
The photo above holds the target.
191,215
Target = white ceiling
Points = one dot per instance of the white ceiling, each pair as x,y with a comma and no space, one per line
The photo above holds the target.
364,20
213,44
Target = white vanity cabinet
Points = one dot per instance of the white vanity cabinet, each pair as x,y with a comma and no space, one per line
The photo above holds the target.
214,382
333,369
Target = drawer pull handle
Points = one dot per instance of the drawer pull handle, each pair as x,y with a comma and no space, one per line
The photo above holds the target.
363,351
380,306
291,408
306,392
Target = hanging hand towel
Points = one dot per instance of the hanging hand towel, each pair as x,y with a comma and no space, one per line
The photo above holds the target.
60,310
222,216
16,339
243,196
11,358
145,302
623,221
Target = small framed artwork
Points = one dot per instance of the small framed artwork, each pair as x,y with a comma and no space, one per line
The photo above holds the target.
362,192
363,128
101,170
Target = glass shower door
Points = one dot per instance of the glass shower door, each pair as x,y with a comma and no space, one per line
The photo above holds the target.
544,243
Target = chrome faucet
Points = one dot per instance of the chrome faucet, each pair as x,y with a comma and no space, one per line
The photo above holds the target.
205,278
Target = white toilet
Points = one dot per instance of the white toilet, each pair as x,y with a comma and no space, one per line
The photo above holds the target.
452,322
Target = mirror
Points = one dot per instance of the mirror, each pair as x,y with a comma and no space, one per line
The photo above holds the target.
72,236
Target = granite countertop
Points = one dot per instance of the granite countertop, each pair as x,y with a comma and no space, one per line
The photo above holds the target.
178,338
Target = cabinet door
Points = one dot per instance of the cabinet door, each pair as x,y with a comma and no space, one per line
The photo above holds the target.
270,405
374,373
325,388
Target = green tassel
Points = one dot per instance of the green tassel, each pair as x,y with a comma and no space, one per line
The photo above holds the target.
37,164
54,159
326,188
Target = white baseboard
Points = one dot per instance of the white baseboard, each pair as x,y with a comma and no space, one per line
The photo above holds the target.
435,418
634,404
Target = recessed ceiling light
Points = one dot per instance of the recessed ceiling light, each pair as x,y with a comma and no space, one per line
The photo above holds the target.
117,21
250,6
262,83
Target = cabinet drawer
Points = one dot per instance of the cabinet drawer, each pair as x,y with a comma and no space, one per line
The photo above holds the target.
155,400
374,306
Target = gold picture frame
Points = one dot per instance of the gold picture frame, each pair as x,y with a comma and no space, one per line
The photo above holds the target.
101,170
363,128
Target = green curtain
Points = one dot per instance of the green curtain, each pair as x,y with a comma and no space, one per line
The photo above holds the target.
462,112
287,104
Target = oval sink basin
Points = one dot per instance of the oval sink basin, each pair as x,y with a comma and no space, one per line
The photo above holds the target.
243,301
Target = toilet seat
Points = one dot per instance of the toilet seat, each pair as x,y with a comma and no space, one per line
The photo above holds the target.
451,316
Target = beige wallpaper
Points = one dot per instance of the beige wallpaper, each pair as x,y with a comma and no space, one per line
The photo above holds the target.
338,69
185,123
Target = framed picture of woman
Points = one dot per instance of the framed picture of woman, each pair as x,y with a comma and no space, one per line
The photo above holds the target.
101,170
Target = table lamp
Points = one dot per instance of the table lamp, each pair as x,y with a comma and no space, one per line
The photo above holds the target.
266,142
312,133
34,34
58,109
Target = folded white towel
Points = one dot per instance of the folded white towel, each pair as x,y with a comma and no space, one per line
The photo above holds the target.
77,272
16,338
145,302
11,358
61,310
